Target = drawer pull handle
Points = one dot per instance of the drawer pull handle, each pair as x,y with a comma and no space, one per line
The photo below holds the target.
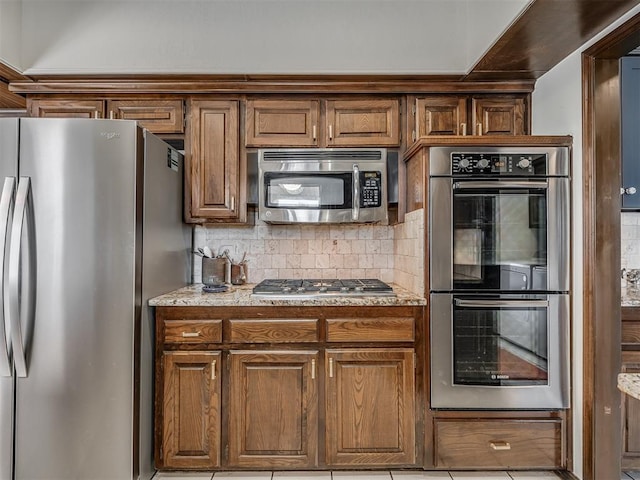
213,370
313,369
190,334
500,445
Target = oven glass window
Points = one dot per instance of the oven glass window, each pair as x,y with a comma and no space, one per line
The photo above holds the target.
496,346
308,191
500,239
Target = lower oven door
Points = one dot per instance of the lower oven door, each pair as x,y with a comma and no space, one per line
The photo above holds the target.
499,351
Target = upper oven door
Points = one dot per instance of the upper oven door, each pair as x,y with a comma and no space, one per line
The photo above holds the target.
499,235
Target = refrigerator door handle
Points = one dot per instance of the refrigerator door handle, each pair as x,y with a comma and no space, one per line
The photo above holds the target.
6,212
22,276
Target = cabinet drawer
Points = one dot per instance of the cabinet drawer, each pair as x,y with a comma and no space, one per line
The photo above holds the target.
464,443
630,333
192,331
391,329
273,330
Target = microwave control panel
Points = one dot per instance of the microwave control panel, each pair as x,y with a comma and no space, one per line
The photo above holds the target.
521,164
370,189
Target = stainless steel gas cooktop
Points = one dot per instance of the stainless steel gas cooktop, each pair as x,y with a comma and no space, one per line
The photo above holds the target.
290,289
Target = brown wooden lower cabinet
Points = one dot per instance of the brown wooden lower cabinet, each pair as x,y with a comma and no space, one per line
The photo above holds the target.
191,410
370,406
630,416
303,388
498,443
630,406
273,409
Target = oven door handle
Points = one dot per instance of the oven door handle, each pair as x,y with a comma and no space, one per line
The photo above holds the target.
500,184
500,303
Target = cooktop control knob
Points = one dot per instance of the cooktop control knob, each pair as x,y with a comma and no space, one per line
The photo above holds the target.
524,163
286,289
483,163
344,289
463,163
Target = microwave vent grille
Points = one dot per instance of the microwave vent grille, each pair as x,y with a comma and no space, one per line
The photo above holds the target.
324,155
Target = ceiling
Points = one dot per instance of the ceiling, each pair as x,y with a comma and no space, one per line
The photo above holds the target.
467,39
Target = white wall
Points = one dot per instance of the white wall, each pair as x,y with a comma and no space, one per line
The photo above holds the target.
11,32
260,36
557,110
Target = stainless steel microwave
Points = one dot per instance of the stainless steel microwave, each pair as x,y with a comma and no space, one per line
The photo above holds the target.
345,185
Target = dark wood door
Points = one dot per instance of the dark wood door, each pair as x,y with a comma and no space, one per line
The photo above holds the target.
441,115
372,122
370,418
215,173
282,123
65,108
273,409
159,116
630,416
191,410
499,116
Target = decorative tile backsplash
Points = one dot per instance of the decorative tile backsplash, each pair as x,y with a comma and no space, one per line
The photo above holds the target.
323,251
630,237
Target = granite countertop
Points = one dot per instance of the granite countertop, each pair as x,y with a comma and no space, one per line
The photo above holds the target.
240,295
630,295
629,383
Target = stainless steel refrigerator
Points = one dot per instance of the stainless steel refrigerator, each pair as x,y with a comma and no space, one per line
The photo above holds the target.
91,219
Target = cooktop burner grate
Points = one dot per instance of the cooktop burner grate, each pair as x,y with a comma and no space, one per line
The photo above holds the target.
297,288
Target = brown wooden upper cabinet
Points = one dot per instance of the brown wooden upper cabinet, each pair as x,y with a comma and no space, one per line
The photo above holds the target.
215,173
323,123
160,116
465,115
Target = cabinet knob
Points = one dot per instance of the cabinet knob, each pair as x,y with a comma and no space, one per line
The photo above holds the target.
628,191
213,369
331,368
330,132
479,127
313,369
314,132
463,128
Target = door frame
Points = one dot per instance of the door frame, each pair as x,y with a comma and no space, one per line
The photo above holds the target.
601,147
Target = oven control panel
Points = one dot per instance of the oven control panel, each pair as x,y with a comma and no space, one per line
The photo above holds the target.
521,164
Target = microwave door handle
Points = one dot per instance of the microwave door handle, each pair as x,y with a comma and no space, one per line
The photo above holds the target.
500,303
355,213
500,184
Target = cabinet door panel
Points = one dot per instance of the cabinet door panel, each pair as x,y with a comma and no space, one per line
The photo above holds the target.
363,122
215,173
282,123
441,115
159,116
52,108
191,410
630,416
499,116
370,407
273,415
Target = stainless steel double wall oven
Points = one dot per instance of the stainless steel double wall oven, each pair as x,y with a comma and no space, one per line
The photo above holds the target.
499,277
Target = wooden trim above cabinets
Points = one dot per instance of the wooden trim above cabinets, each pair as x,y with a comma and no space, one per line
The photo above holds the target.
289,84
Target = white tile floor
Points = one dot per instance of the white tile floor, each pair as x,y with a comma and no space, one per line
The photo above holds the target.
390,475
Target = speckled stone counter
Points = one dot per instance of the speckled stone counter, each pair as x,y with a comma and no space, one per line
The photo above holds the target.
630,296
629,383
193,295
